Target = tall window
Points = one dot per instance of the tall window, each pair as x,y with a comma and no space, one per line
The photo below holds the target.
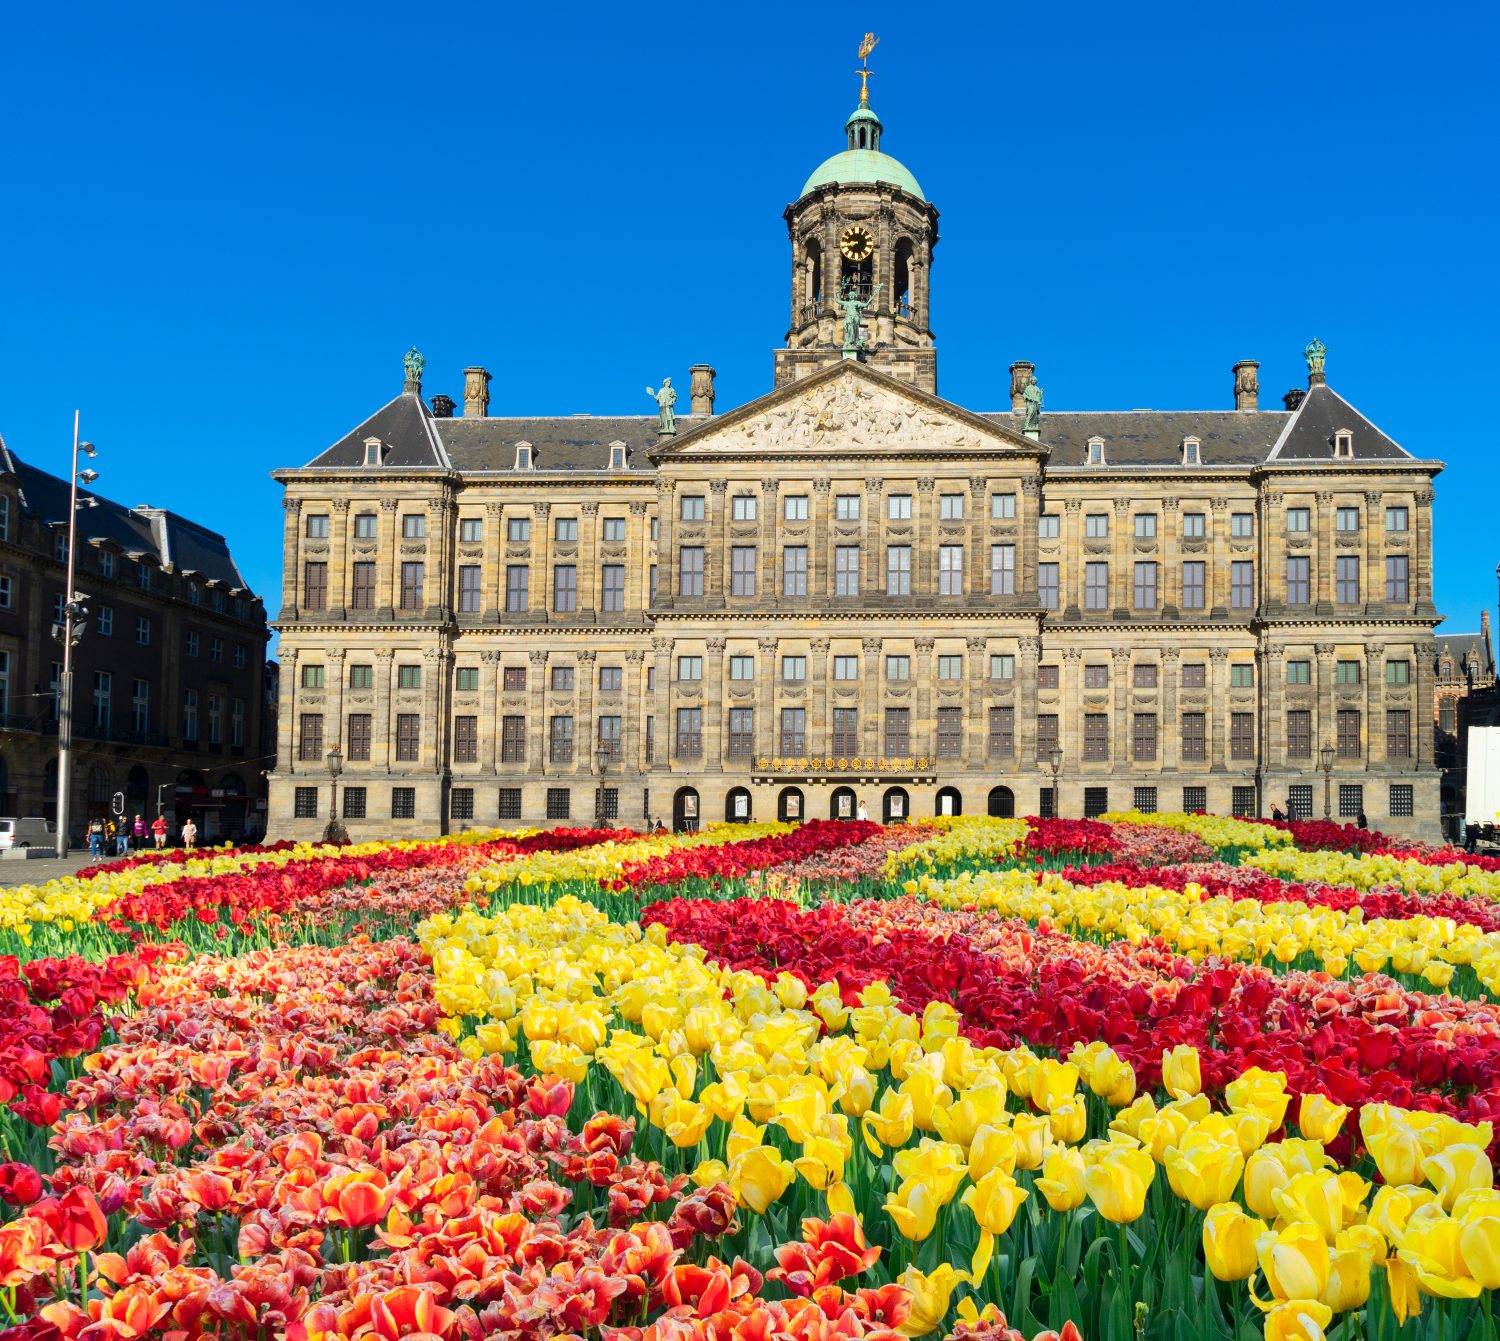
413,526
409,677
1347,519
562,679
846,507
741,732
189,715
1145,586
950,732
846,570
1398,672
1242,584
362,593
1194,737
1096,586
794,570
1145,526
1046,734
1348,733
690,570
560,740
1143,736
1347,580
794,669
950,570
1395,577
1096,676
565,587
468,588
1002,507
140,706
312,677
742,570
1398,734
215,719
471,530
950,507
950,667
689,669
517,588
612,593
1096,735
898,668
364,526
565,530
1002,666
794,507
897,731
236,724
689,733
518,530
1194,675
1096,525
611,679
614,530
310,737
1298,672
1242,525
408,736
1346,672
1003,570
1395,519
1299,734
1048,526
1048,588
1242,735
846,731
1297,519
513,739
465,740
1002,733
742,507
143,635
691,508
793,731
1298,579
103,692
898,507
315,585
411,586
1192,584
742,667
1192,525
358,742
898,570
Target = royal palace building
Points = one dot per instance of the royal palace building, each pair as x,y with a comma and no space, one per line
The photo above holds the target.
851,590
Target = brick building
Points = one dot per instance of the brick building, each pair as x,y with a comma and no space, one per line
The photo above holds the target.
168,678
850,589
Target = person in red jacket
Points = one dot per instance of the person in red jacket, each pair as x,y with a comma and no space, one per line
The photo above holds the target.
159,831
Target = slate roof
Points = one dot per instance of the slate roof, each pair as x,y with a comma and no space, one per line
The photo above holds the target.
1323,412
563,442
1459,645
154,532
1154,437
404,425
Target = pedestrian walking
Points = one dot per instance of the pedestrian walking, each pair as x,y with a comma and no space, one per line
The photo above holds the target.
138,833
159,831
189,834
96,839
862,814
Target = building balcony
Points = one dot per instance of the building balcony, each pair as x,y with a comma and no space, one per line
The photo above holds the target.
119,735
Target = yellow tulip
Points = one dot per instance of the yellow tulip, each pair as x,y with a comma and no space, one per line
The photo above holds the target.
1312,1199
891,1122
1031,1134
1113,1079
1129,1119
644,1076
759,1176
1069,1121
1053,1083
859,1092
1160,1133
993,1147
926,1094
497,1038
822,1161
743,1135
1319,1118
931,1293
710,1173
912,1209
1273,1166
1204,1169
994,1201
959,1121
686,1123
1401,1286
1397,1152
1062,1179
1298,1320
1229,1239
1431,1249
1181,1074
1348,1285
1479,1242
1438,973
1259,1091
1355,1190
939,1166
725,1099
1118,1182
1393,1208
1459,1168
1295,1261
840,1199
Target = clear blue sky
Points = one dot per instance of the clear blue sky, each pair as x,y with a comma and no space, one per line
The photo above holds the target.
223,224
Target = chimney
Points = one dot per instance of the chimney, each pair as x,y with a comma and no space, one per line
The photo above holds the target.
476,393
1294,398
442,406
702,388
1021,373
1246,385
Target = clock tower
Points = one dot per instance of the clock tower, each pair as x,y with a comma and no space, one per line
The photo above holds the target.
861,230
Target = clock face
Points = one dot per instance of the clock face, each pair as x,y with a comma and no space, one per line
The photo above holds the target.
856,242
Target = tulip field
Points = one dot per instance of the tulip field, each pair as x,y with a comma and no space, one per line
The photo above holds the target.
1142,1077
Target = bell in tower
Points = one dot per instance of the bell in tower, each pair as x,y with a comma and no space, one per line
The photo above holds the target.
862,236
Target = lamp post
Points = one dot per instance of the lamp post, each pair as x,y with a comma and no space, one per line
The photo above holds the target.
71,630
602,757
1325,759
335,832
1055,759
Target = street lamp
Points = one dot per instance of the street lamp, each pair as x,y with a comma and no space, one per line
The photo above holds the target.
602,757
335,832
1055,759
1325,758
71,630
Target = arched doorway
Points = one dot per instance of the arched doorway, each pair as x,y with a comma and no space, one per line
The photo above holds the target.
950,801
685,810
789,805
841,806
737,806
1002,803
895,806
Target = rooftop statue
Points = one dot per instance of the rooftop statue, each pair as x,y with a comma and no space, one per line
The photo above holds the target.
1032,396
852,308
1315,353
666,398
414,364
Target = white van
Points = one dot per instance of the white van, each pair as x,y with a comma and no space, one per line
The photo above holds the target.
28,833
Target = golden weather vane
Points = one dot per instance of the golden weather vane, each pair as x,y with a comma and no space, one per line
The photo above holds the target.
865,48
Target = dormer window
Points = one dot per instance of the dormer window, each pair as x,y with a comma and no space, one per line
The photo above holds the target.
523,456
1096,452
1192,452
374,451
1343,444
617,456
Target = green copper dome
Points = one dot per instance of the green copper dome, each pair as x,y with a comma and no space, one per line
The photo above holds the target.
863,161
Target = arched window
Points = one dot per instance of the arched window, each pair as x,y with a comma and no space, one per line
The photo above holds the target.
842,805
814,273
789,806
950,801
738,808
1002,803
685,810
895,806
903,277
